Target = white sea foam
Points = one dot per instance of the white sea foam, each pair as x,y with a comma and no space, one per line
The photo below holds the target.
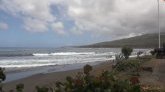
41,54
25,65
42,59
64,53
58,58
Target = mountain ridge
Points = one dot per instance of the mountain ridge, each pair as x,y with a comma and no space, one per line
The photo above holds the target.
143,41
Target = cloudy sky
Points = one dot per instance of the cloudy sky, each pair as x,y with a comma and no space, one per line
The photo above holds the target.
52,23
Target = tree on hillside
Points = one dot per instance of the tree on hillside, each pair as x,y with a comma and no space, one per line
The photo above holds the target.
126,51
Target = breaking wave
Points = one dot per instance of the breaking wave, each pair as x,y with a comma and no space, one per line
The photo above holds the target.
64,53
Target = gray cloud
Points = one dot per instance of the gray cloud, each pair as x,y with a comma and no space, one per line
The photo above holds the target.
118,18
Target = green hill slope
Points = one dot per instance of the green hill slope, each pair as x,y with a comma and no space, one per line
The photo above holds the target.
143,41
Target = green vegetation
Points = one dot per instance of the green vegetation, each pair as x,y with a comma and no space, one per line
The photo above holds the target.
20,87
2,77
126,51
42,89
143,41
106,82
126,65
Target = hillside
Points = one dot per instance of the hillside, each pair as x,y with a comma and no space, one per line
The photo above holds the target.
143,41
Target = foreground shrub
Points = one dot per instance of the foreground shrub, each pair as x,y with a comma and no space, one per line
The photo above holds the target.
106,82
132,64
42,89
2,77
119,58
19,87
126,65
87,69
2,74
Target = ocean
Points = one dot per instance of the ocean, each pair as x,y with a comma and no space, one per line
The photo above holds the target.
23,62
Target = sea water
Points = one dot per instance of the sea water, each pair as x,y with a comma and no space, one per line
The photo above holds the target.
23,62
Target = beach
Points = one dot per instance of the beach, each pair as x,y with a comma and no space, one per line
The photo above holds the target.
24,62
46,66
47,79
156,78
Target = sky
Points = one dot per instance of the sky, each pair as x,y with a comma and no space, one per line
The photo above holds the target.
54,23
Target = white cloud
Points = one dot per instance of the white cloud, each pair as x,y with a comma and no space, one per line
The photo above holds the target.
3,26
58,27
34,25
114,18
36,14
38,9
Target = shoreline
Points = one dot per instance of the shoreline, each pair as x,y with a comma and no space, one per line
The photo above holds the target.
49,78
27,72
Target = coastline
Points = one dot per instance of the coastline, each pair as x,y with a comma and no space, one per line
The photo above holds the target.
21,73
50,78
